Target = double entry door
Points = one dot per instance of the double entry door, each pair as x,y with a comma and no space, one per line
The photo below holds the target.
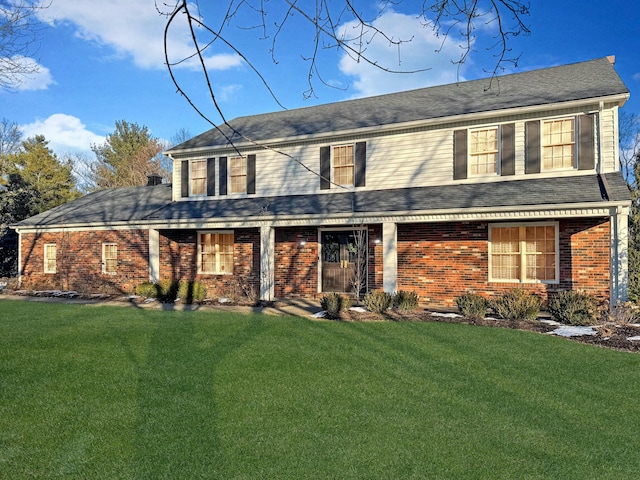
340,259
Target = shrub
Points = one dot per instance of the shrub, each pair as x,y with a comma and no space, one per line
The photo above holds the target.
192,291
625,313
472,305
517,304
574,308
377,301
147,289
405,300
334,303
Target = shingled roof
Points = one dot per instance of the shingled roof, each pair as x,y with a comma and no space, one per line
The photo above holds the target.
153,204
578,81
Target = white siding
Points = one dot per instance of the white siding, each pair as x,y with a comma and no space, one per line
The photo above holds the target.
423,157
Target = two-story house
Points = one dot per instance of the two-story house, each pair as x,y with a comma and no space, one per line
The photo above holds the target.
482,185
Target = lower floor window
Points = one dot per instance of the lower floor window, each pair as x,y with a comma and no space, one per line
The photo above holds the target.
215,252
523,253
109,258
50,254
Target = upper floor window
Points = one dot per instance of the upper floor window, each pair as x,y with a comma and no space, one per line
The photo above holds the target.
483,151
558,143
238,174
109,258
215,252
50,253
198,177
523,253
343,165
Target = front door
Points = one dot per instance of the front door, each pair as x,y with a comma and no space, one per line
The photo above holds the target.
339,257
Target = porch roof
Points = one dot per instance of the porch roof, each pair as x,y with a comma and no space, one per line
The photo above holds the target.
142,205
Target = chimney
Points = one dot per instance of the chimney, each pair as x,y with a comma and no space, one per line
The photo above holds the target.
154,179
612,59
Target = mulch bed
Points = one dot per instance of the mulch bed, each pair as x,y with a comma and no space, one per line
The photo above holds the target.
608,335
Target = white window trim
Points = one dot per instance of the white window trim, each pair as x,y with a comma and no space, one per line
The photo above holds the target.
333,165
199,252
104,259
523,265
55,267
575,143
469,155
191,194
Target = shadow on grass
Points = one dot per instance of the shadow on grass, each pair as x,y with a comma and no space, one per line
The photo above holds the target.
177,432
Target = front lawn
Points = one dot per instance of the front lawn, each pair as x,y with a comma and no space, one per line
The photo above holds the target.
116,393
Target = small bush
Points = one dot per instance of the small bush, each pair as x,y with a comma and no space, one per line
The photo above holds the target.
625,313
405,300
189,292
517,304
334,303
574,308
377,301
147,289
472,305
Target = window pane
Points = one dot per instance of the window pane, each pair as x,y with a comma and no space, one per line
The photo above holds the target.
484,151
238,174
343,165
216,253
110,257
558,137
50,259
505,267
198,177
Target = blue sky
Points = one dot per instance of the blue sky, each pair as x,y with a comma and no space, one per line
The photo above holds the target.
103,61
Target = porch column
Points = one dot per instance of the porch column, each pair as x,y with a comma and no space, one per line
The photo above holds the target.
390,257
154,255
267,254
619,255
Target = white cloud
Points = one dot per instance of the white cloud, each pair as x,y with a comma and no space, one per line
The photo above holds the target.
134,28
424,50
65,133
40,79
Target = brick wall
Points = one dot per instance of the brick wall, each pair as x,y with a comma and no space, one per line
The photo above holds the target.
178,261
296,265
79,261
443,261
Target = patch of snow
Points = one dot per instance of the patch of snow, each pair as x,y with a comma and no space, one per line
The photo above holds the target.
634,339
570,331
358,309
321,314
225,300
447,315
550,322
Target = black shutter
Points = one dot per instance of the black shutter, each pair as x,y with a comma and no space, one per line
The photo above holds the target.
507,149
325,168
459,154
532,147
211,177
251,174
184,178
222,171
360,161
586,152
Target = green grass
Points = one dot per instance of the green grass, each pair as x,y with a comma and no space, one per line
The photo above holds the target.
110,392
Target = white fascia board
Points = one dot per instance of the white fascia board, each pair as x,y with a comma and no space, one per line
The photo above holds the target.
269,143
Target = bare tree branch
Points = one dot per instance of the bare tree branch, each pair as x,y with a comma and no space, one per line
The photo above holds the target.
19,35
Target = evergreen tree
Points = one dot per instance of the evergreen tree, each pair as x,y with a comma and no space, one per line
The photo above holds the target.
127,157
40,169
